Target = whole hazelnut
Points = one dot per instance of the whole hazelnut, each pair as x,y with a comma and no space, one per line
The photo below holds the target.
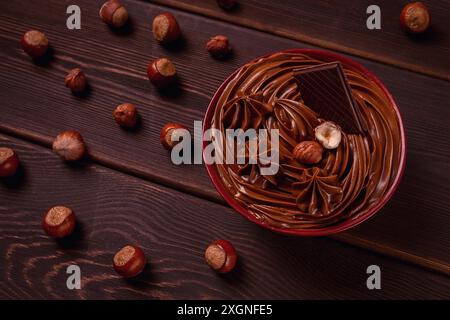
219,46
9,162
308,152
328,134
227,5
75,80
166,135
165,28
35,43
69,145
59,222
113,13
415,17
161,72
129,261
126,115
221,256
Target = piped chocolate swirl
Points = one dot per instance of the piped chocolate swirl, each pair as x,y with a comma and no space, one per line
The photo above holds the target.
346,183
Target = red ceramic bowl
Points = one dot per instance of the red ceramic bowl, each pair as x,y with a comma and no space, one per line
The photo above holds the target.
346,224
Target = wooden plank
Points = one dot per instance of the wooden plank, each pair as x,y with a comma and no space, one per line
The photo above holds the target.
341,26
36,106
173,228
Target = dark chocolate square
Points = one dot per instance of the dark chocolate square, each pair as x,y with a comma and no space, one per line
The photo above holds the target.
325,90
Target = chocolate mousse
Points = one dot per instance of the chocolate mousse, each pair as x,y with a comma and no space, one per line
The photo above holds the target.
337,183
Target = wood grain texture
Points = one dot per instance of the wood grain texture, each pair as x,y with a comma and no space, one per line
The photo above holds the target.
342,27
36,106
173,228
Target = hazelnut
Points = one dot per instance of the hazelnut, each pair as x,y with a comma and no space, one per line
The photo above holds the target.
415,17
165,28
69,145
221,256
166,135
126,115
129,261
35,43
328,134
75,80
227,5
308,152
9,162
219,46
113,13
161,72
59,222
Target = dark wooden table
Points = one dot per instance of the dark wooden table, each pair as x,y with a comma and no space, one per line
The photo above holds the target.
130,192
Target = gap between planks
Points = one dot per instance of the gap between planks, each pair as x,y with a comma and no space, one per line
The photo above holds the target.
326,44
106,161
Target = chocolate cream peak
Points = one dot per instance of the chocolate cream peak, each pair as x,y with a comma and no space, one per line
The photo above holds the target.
348,181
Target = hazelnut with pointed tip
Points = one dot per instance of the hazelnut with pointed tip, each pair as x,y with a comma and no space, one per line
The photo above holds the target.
9,162
114,13
126,115
221,256
69,145
35,43
165,28
328,134
308,152
219,47
129,261
166,135
161,72
415,17
75,80
59,222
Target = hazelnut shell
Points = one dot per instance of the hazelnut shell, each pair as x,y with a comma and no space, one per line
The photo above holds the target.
166,134
129,261
165,28
126,115
415,17
9,162
308,152
221,256
35,43
113,13
219,46
161,72
69,145
75,80
59,222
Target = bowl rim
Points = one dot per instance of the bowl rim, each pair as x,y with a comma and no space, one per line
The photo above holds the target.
341,226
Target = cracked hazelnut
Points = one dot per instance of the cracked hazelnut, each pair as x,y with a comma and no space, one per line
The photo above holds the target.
227,5
161,72
75,80
415,17
219,46
126,115
221,256
129,261
165,28
69,145
9,162
35,43
308,152
59,222
113,13
166,135
328,134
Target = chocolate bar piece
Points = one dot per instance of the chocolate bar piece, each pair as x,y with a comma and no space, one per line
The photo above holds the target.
325,90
